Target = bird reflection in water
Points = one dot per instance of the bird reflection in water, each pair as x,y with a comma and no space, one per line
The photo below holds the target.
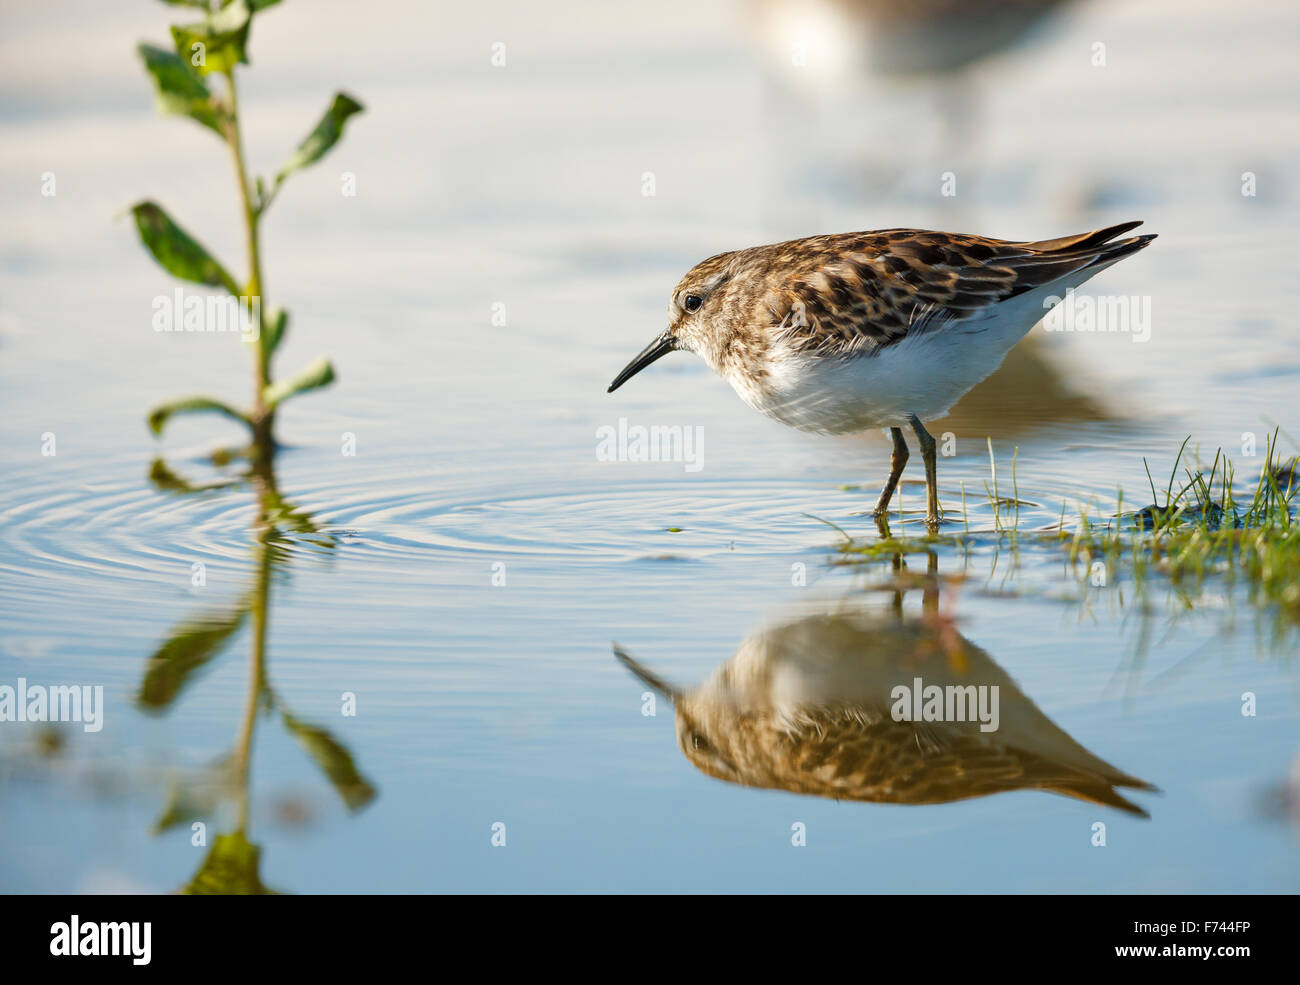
809,706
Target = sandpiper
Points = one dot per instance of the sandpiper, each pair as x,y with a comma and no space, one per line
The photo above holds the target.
812,705
885,329
898,37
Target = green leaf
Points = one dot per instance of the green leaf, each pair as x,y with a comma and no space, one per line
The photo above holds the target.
190,646
197,4
277,323
177,251
180,90
219,43
317,374
165,480
230,869
326,135
334,760
197,794
283,515
160,415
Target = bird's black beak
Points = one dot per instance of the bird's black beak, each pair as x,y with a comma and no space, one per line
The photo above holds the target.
655,350
646,676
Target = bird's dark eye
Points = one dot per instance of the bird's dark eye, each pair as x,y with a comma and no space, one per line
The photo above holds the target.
692,302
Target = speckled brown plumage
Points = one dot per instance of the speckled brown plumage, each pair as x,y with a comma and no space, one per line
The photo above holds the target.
851,293
852,752
839,739
886,329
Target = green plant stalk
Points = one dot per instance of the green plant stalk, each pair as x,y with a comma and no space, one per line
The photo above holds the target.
262,418
1015,489
993,470
268,502
252,701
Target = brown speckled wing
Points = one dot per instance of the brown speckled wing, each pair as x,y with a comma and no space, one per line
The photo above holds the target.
853,753
861,292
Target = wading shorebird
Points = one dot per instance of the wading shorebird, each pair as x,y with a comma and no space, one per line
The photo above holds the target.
812,706
899,37
884,329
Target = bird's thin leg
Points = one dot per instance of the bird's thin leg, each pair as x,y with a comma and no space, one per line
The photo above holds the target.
897,461
926,441
882,525
930,594
898,567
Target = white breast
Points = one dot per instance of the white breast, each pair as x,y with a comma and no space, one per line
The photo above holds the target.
925,374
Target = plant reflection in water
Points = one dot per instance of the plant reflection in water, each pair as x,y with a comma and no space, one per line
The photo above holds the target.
232,864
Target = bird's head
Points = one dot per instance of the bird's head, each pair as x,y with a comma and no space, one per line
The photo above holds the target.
703,738
702,721
696,318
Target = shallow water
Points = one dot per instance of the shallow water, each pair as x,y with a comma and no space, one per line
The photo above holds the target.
474,560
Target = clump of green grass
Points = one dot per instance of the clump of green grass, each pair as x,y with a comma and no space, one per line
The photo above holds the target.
1205,526
1200,531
